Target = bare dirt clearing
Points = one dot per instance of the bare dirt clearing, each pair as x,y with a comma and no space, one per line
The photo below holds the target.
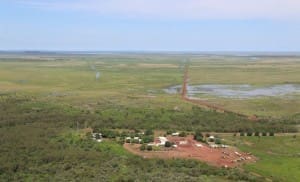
190,149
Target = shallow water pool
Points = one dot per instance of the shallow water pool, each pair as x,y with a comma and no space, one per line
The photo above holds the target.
237,91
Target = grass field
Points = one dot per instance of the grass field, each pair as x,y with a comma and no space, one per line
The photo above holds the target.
140,76
278,156
265,71
45,98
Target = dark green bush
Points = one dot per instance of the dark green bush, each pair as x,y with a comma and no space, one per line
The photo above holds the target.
143,147
168,144
218,141
149,147
182,134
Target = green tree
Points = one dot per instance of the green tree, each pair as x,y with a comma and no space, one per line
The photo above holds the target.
168,144
147,139
199,138
149,132
182,134
169,132
143,147
135,141
249,133
218,141
128,140
98,136
149,147
198,135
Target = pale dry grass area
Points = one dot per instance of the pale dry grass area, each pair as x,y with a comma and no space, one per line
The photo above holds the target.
148,65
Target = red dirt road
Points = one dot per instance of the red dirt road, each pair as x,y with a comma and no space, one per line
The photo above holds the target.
205,104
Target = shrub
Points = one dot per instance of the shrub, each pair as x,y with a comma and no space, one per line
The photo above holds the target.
169,132
242,134
96,130
88,135
256,133
198,138
182,134
123,134
149,147
98,136
168,144
128,140
109,134
137,131
264,134
249,133
198,135
143,147
218,141
121,142
198,132
135,141
148,132
294,136
147,139
271,134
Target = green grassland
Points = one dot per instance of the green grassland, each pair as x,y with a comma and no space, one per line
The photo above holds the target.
43,99
139,76
279,157
265,71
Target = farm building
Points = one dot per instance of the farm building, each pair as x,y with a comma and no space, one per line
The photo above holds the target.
183,142
162,140
212,137
97,137
175,134
159,141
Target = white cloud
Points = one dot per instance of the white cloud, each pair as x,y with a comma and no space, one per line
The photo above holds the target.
179,9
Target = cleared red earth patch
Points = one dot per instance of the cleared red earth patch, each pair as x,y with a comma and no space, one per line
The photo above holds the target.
188,148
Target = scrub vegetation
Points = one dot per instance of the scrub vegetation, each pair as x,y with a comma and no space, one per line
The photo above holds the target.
46,101
278,155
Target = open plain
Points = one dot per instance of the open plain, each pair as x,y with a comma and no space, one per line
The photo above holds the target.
45,101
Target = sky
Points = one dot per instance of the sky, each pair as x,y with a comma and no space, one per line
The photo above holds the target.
150,25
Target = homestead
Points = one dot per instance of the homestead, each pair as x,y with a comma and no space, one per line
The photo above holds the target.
187,147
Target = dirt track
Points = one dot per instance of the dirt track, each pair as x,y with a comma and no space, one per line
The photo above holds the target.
202,103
